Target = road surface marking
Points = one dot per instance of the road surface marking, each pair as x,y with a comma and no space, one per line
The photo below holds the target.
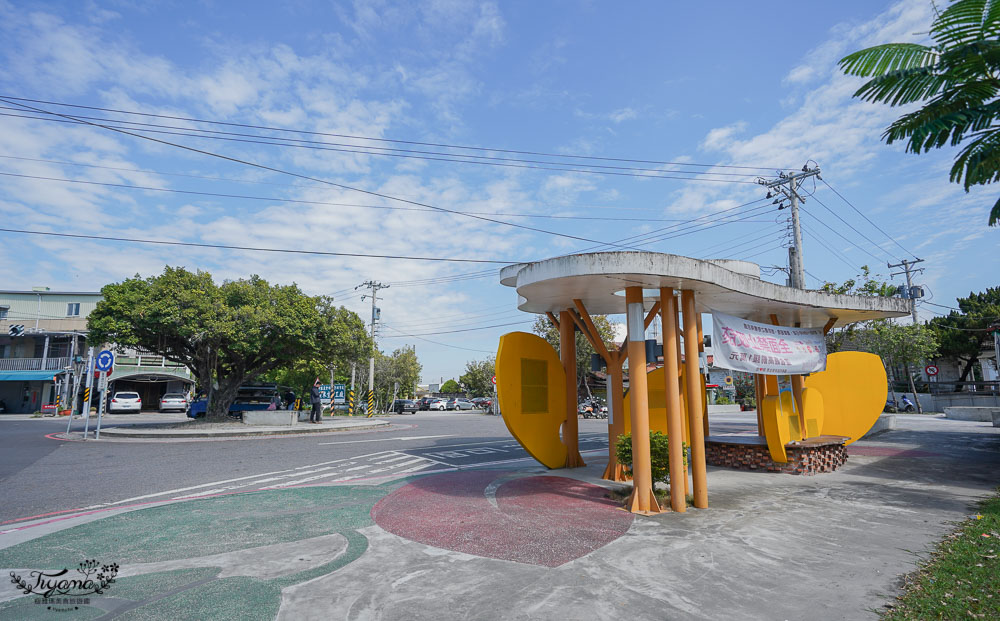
387,439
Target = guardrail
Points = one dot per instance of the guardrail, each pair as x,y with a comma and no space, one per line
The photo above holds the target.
33,364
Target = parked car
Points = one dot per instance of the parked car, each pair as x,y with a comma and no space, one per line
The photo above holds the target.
404,405
437,404
423,403
174,401
125,402
459,403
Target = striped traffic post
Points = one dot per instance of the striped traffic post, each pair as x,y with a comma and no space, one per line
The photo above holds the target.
350,402
371,403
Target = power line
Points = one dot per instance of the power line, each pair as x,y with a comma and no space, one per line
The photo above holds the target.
861,213
192,132
276,199
250,248
272,183
835,253
838,233
403,335
851,226
499,325
375,139
318,180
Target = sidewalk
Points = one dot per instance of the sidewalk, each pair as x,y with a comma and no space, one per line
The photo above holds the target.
530,543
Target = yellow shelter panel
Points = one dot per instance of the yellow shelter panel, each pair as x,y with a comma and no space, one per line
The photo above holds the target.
531,388
656,388
812,411
775,428
854,387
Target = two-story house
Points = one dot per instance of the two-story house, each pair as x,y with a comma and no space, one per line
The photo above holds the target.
43,349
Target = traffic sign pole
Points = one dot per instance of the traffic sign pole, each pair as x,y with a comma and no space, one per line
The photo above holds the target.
104,399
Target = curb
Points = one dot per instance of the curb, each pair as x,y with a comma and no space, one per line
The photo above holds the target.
180,434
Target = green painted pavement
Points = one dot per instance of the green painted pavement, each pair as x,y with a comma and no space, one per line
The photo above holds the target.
194,529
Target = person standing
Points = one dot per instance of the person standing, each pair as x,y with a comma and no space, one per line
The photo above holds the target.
317,406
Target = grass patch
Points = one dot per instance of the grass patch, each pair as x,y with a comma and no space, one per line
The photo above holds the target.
961,580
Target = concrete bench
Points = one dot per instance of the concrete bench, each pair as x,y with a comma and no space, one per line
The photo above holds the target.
270,418
978,413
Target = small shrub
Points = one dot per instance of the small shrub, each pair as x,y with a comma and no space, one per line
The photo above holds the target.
723,400
659,454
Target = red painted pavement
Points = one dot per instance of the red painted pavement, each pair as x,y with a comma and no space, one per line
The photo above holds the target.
543,520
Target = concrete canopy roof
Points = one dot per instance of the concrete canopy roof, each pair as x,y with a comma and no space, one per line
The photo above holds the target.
732,287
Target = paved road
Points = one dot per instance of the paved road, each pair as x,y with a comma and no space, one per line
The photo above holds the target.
40,475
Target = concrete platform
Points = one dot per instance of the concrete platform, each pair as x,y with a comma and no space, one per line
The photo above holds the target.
971,412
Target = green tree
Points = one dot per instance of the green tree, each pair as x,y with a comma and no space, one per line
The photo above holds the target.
226,334
957,79
351,346
900,345
544,328
965,333
478,377
451,387
864,283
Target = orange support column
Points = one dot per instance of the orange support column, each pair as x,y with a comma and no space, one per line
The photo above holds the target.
567,353
704,395
759,387
693,380
675,429
642,499
616,426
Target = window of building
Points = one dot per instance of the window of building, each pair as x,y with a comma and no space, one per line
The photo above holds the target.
73,310
3,311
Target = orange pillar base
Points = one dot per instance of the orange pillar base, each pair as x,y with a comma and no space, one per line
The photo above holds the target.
633,503
574,460
615,472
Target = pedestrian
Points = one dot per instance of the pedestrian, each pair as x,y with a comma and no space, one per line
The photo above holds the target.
317,406
289,399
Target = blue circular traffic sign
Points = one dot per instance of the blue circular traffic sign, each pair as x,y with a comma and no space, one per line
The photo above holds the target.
105,360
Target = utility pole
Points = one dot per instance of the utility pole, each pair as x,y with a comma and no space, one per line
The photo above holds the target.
374,286
785,187
911,293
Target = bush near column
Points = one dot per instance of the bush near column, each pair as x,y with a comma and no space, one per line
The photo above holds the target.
659,454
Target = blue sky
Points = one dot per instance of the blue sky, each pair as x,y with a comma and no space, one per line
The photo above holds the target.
731,84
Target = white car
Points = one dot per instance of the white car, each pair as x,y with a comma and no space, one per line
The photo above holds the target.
125,402
174,401
437,405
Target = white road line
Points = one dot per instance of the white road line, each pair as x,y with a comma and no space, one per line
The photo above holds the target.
387,439
392,459
415,468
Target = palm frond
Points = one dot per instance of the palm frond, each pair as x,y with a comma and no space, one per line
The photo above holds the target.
967,20
903,86
881,59
979,161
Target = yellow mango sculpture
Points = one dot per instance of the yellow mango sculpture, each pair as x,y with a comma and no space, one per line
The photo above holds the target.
854,387
813,411
531,389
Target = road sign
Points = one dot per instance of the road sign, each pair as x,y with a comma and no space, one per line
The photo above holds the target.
931,370
105,360
324,392
494,380
729,380
339,393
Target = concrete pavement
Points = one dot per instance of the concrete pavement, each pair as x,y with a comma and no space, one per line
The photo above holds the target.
523,542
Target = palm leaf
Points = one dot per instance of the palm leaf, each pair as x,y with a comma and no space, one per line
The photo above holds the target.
881,59
967,20
902,86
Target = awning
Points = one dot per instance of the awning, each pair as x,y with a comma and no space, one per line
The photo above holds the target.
28,376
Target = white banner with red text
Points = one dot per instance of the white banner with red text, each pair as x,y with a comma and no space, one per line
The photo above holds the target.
744,345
